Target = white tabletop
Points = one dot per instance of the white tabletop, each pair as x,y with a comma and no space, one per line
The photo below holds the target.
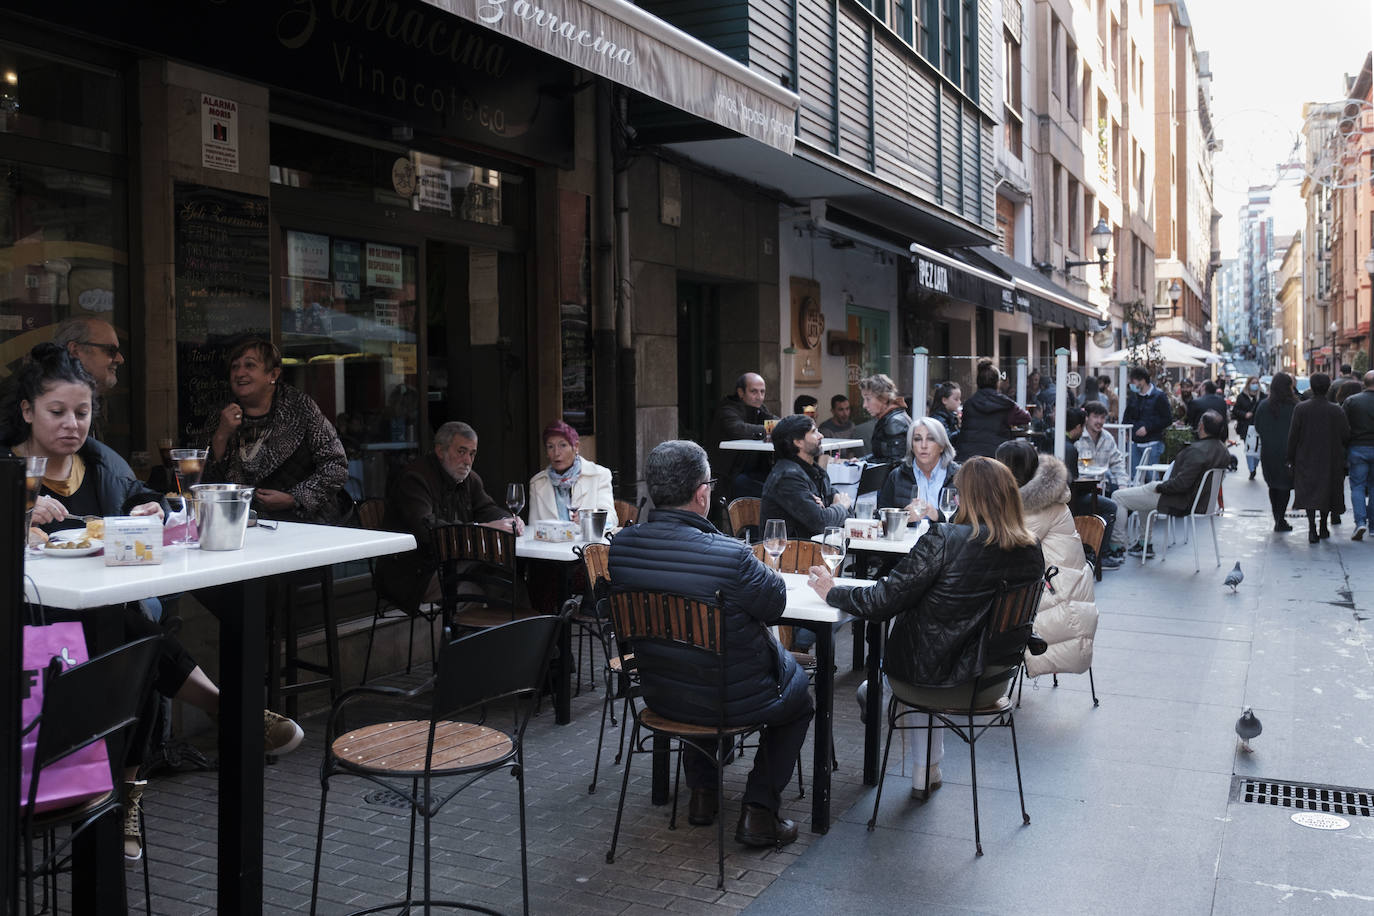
529,548
86,582
882,545
804,604
761,445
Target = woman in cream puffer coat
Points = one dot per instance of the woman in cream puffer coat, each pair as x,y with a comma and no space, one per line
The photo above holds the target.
1067,618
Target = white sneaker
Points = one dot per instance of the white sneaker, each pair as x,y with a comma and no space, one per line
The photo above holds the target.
280,735
918,782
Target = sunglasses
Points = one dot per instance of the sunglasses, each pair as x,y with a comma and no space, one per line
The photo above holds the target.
110,350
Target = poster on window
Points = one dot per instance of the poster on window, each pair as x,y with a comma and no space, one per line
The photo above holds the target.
347,269
382,266
436,191
307,255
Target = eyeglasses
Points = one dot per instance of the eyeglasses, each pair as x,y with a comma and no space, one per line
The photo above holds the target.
110,350
710,482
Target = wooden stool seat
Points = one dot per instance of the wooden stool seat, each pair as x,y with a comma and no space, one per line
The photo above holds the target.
621,663
398,748
652,720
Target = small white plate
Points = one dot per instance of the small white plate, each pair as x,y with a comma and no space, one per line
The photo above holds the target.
52,550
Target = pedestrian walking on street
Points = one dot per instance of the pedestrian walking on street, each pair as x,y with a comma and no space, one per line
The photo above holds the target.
1273,417
1316,450
1244,415
1359,413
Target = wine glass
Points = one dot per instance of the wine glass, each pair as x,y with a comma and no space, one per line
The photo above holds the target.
832,547
34,468
515,497
949,502
775,538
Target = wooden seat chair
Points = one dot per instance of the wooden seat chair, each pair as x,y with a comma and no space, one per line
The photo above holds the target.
626,512
371,515
82,705
1091,529
429,761
472,554
618,669
958,710
743,514
642,617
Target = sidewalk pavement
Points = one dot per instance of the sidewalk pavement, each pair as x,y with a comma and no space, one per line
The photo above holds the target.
1131,803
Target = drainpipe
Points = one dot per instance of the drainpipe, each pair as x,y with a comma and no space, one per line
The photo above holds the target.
605,351
624,308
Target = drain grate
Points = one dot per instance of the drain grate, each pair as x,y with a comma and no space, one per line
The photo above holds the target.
1303,796
385,798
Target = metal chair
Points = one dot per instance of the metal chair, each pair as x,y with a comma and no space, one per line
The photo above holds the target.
645,617
1205,505
497,665
618,671
371,515
82,705
743,514
483,557
961,709
1091,530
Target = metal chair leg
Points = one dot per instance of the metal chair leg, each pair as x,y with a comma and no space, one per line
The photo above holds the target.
1016,756
973,773
882,772
624,787
1091,685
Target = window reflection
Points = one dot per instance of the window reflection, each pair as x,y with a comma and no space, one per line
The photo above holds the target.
348,339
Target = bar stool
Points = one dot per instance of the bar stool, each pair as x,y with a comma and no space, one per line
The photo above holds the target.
283,669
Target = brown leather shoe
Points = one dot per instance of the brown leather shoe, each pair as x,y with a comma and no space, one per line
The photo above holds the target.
701,810
760,827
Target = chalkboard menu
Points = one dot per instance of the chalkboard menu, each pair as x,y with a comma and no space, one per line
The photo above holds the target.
222,295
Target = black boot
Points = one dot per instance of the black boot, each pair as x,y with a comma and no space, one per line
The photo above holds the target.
1312,536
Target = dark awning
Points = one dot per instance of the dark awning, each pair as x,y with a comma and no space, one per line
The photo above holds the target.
948,273
1046,301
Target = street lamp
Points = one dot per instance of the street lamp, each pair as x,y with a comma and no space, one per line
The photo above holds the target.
1101,237
1331,330
1175,294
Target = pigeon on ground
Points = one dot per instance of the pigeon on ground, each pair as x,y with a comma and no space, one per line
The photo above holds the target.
1248,726
1234,577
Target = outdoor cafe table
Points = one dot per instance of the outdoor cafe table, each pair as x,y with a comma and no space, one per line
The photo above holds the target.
563,556
764,445
87,583
887,553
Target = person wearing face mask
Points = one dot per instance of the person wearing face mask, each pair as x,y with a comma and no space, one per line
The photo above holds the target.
928,468
1149,414
1244,414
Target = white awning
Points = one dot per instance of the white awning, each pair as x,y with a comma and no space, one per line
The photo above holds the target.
621,42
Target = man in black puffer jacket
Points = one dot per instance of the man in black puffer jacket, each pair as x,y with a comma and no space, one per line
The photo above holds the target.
797,491
678,551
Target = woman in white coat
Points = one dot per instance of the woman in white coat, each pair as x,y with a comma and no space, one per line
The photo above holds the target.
570,482
1067,618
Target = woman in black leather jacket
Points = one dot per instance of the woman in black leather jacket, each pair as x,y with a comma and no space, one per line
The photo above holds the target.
891,421
941,592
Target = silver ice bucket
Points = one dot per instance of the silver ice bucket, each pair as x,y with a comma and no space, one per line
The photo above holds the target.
894,520
222,514
593,523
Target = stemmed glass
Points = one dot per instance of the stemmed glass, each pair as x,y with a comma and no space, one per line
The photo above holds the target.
34,467
832,547
949,502
515,497
775,539
189,464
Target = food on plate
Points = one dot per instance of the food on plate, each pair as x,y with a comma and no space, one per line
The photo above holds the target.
82,543
95,528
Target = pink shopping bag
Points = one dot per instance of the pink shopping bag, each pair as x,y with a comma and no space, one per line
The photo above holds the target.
79,776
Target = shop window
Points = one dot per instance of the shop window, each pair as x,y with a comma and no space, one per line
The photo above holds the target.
348,339
391,176
49,99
